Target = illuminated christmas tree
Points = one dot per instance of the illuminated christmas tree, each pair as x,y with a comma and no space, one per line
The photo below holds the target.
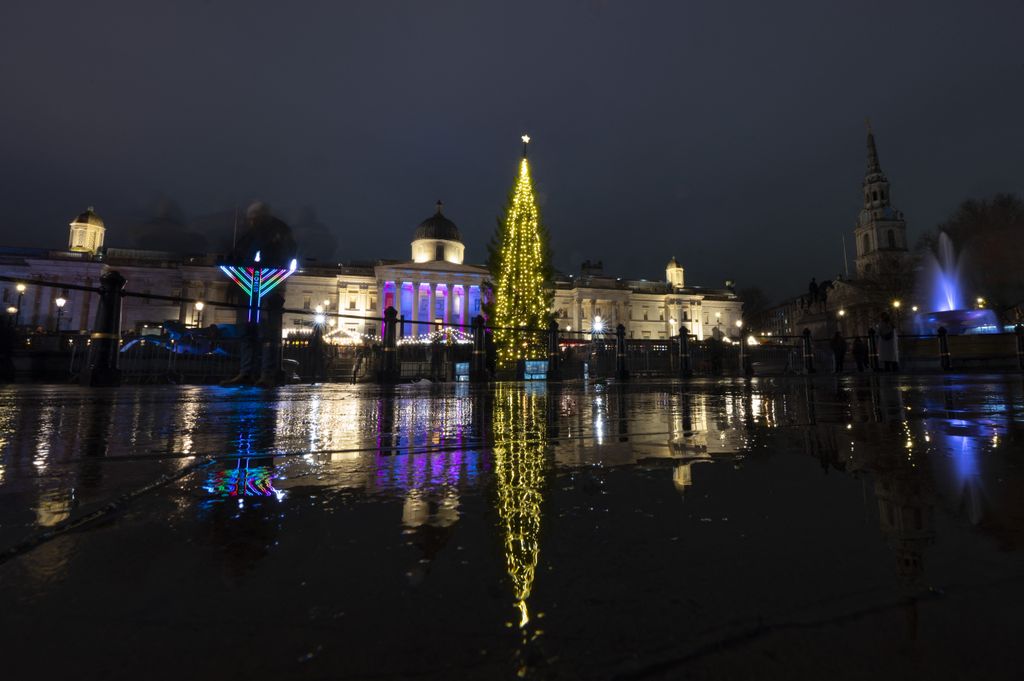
520,264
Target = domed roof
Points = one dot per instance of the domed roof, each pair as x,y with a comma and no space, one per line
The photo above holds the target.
89,217
437,226
672,263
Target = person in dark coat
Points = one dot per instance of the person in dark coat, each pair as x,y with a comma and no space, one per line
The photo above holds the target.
838,344
316,355
860,353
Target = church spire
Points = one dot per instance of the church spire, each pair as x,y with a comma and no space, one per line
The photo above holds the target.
873,165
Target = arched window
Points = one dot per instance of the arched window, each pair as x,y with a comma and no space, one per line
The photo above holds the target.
892,239
439,252
874,196
867,243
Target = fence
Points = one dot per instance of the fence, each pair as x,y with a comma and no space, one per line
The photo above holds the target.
445,354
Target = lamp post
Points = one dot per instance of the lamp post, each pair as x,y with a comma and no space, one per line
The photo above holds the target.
981,302
60,302
21,294
197,318
896,308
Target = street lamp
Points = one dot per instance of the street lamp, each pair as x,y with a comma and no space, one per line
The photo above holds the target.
198,317
60,302
12,310
913,308
21,294
598,325
842,313
981,302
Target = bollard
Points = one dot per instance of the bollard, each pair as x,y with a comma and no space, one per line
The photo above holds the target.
808,352
389,371
553,353
478,364
621,372
873,349
105,341
944,360
1019,330
684,354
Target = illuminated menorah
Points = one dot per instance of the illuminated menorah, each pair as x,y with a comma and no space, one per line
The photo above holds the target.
257,281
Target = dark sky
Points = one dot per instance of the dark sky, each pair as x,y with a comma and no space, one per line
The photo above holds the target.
729,134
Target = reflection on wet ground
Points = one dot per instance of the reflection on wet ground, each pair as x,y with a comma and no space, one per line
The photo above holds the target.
836,528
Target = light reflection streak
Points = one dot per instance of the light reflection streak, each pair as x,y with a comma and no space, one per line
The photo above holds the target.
519,450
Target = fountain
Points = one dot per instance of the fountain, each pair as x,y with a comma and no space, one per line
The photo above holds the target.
946,298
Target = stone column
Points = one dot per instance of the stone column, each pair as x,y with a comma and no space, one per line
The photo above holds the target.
431,309
448,305
415,309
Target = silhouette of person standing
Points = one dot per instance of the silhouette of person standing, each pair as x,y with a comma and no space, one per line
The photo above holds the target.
838,352
860,353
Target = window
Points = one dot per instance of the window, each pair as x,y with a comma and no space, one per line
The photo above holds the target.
439,252
306,302
867,243
874,196
661,316
645,315
373,301
892,239
351,303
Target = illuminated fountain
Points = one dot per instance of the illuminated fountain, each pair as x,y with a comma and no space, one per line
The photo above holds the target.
946,297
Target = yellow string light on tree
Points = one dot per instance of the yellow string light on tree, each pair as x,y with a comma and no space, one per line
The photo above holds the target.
521,268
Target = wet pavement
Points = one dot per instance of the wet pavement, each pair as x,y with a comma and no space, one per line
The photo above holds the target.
863,527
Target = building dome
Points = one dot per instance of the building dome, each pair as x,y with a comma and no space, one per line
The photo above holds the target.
89,217
87,233
674,273
437,226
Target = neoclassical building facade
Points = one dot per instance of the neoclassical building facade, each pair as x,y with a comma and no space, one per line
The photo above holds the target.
435,285
647,309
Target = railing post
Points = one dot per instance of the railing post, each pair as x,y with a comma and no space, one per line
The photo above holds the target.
101,369
944,360
389,372
554,371
684,353
808,352
478,364
873,349
621,371
1019,330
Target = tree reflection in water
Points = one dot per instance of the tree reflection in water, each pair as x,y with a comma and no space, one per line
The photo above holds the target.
520,446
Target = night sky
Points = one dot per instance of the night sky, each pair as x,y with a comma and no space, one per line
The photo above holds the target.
729,134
